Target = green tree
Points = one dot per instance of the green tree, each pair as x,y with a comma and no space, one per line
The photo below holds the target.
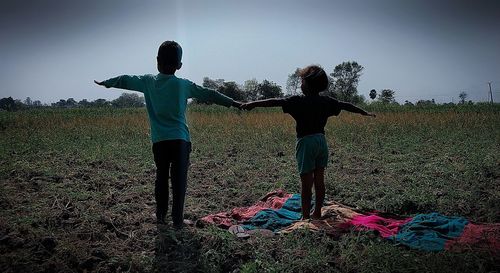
293,82
100,103
251,89
8,104
60,103
345,79
268,89
127,100
387,96
408,103
463,97
232,90
212,84
71,102
84,103
28,102
425,102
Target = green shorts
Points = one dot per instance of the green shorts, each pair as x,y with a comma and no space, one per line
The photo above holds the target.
311,153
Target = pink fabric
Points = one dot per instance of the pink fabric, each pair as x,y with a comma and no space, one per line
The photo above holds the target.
273,200
385,226
477,236
221,219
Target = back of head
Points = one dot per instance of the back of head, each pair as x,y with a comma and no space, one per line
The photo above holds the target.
169,55
315,78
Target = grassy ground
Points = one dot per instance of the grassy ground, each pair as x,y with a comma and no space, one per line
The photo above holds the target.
76,189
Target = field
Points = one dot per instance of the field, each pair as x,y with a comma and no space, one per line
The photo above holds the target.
76,189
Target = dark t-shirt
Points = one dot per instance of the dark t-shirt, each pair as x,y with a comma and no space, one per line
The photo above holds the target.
311,112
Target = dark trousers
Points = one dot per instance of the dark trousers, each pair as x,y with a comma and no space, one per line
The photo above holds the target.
171,157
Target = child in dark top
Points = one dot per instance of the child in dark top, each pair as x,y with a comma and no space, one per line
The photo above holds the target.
311,113
166,102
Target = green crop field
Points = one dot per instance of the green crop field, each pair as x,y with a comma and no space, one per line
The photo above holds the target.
76,189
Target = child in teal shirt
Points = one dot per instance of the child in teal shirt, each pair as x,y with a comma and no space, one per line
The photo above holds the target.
311,113
166,102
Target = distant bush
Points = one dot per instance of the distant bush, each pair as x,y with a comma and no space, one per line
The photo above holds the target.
9,104
432,107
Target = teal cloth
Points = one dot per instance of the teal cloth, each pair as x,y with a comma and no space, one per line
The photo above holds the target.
275,220
430,232
166,101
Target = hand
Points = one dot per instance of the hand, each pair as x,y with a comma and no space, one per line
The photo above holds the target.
237,104
100,83
248,106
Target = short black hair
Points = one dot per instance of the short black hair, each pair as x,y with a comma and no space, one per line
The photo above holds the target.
170,54
315,77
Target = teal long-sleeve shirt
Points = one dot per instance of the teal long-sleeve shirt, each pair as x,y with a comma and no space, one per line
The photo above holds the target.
166,101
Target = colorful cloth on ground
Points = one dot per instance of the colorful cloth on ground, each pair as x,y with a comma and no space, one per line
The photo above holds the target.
478,236
281,212
277,219
430,231
386,227
335,217
272,200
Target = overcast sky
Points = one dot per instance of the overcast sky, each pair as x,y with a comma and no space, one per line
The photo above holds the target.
422,49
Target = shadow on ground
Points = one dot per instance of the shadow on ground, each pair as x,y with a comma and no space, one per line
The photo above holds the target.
176,250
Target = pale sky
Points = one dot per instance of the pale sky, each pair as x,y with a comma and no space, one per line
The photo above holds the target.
422,49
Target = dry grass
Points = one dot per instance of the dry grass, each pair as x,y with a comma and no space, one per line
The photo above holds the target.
76,189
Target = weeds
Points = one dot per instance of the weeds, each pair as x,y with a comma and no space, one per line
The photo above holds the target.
76,188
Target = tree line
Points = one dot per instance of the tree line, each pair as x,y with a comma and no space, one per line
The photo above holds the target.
250,90
343,85
125,100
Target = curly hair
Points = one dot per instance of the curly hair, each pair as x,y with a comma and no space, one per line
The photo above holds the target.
315,77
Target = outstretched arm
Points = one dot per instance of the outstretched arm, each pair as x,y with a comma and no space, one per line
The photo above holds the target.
99,83
210,95
135,83
262,103
354,109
